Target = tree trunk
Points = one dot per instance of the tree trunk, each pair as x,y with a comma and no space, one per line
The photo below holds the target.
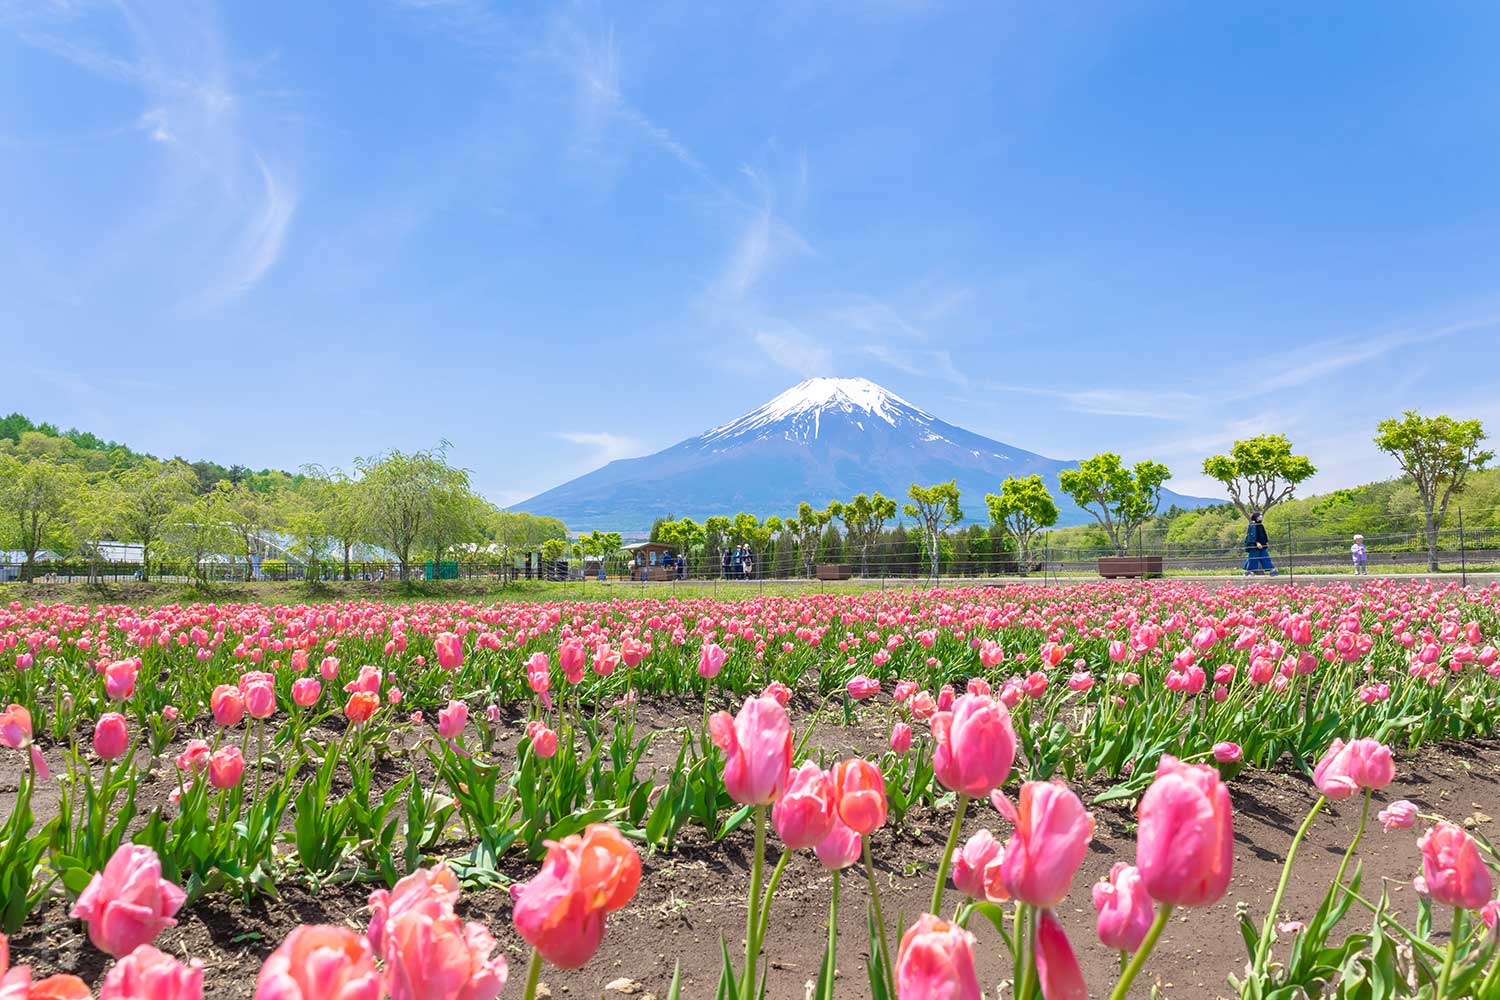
1432,539
347,577
932,542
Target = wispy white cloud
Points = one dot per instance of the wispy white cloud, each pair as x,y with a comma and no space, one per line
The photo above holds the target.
795,352
607,446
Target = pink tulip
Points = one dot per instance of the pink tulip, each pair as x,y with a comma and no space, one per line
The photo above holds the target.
1052,834
320,963
194,757
227,704
605,661
573,660
901,737
367,682
260,699
543,740
711,660
111,736
306,691
128,903
1057,968
971,861
840,848
803,815
451,720
975,745
1227,753
119,679
859,795
450,650
329,668
148,974
1124,907
15,727
757,745
1118,651
778,692
429,891
936,962
561,913
861,687
1348,767
1453,868
225,767
1185,836
1399,815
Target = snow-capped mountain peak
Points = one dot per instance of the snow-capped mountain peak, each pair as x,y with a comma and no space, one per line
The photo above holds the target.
797,412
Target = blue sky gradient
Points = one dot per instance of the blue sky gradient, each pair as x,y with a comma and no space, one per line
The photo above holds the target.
553,235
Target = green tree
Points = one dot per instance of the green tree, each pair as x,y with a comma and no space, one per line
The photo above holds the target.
200,528
1120,499
402,494
807,528
1024,506
1259,472
33,500
936,509
150,496
864,518
250,515
94,518
310,515
1437,454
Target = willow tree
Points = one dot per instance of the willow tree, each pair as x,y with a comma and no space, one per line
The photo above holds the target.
34,495
403,494
150,496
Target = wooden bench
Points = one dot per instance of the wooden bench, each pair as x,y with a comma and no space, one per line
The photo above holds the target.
834,571
1133,567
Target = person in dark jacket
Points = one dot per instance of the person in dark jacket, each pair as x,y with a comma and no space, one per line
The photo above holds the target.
1257,547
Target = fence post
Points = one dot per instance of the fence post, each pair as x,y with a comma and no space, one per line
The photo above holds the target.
1291,552
1463,561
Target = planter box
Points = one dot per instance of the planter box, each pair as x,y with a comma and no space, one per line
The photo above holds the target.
1111,567
834,571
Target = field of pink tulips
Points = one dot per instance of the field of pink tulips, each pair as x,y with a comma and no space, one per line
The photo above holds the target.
1103,790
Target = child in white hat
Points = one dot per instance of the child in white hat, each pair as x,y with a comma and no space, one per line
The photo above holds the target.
1357,550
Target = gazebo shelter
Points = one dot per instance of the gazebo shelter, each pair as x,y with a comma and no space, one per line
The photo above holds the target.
651,561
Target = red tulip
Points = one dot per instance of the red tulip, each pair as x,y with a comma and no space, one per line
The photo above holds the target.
128,903
803,815
360,706
859,795
975,745
936,962
1185,838
1052,834
757,745
1453,868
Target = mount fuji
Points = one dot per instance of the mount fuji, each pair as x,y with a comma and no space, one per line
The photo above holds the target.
823,439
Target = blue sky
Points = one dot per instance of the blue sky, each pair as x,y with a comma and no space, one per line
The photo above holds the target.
556,234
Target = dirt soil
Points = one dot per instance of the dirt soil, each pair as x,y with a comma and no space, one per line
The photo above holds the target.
692,898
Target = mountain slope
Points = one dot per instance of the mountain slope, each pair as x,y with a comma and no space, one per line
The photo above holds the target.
821,440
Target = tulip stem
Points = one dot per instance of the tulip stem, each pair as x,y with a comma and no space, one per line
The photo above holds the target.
1138,960
1364,814
833,928
942,872
1027,951
885,946
533,975
752,915
1487,986
771,883
1263,948
1453,935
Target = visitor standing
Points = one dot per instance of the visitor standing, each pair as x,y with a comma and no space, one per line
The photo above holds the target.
1360,554
1257,547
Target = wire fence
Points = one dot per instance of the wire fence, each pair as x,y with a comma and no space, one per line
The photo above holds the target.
963,555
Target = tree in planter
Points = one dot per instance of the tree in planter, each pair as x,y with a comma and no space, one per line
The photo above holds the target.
807,528
402,493
936,509
1436,453
1024,506
33,499
1120,499
864,518
1259,472
150,495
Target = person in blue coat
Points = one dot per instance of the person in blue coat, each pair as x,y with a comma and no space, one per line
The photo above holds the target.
1257,547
